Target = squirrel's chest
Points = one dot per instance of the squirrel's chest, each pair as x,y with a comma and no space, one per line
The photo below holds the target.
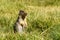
21,21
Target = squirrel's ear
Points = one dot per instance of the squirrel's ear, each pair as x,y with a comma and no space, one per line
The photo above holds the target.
25,14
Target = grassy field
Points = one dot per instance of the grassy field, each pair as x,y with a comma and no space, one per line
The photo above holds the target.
43,19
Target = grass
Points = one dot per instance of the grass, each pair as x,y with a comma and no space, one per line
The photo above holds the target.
43,19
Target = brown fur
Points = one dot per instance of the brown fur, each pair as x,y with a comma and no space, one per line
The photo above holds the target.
21,21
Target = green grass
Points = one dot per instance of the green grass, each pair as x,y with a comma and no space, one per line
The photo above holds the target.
43,19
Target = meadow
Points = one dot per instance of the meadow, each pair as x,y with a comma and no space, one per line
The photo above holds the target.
43,19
